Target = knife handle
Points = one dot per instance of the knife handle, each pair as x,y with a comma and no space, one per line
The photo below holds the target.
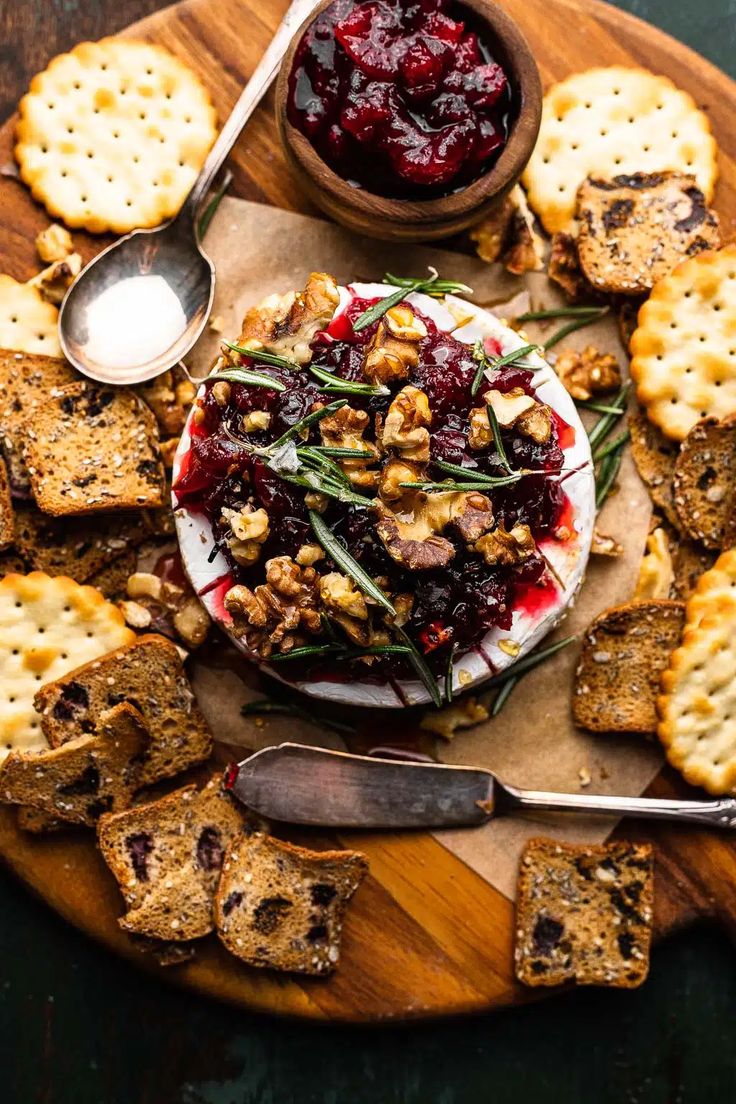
720,813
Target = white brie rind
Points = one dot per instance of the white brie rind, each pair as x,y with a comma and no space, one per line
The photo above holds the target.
500,647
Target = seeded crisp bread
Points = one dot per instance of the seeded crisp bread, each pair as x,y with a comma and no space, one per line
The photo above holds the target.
91,448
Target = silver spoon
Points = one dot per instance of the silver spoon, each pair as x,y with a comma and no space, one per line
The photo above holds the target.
140,305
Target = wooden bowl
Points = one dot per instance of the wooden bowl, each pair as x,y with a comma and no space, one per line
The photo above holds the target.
423,220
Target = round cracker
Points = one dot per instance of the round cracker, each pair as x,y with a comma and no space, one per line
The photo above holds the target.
28,324
611,122
697,707
684,347
112,136
715,591
48,626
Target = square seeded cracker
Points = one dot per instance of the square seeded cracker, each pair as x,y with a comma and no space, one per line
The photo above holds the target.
584,914
92,448
635,229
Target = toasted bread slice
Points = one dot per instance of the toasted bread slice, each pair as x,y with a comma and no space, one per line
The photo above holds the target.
704,480
150,676
91,448
78,547
282,906
635,229
167,856
655,457
584,914
86,777
624,653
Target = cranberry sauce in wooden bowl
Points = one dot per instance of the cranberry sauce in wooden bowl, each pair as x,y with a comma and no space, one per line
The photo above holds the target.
370,507
408,119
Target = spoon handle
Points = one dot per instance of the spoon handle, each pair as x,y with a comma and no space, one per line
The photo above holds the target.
720,813
250,97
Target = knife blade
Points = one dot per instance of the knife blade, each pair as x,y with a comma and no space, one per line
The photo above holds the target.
307,785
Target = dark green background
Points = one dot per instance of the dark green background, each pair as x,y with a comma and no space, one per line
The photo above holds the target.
80,1027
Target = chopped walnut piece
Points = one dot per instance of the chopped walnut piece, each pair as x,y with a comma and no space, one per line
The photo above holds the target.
507,548
588,373
255,421
536,423
309,554
512,409
287,324
508,235
508,406
656,571
403,604
564,269
277,612
54,243
394,473
316,501
169,396
54,282
345,429
462,714
480,434
406,425
248,531
165,607
135,614
412,536
143,584
340,595
394,351
221,392
192,622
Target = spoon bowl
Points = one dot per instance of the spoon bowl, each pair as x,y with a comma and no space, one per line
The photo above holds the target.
139,306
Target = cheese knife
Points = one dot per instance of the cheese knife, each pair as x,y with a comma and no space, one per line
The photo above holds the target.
332,789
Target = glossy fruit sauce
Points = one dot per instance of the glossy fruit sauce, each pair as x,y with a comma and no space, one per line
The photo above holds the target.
453,607
401,97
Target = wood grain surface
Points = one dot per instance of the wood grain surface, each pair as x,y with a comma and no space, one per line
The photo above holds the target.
425,936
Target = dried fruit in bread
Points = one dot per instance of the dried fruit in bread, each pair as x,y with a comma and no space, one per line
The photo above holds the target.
623,654
167,856
148,673
584,914
47,627
683,349
705,480
282,906
112,135
91,448
28,324
635,229
84,778
697,706
654,456
614,121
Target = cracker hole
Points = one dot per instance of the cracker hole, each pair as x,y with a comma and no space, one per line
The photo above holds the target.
90,153
116,134
77,85
41,337
110,179
129,203
617,160
188,119
64,655
674,134
37,678
149,72
51,106
12,698
64,172
646,149
103,67
16,651
70,130
701,339
660,106
545,161
67,609
14,319
587,105
18,605
142,115
41,629
562,188
603,132
688,371
617,91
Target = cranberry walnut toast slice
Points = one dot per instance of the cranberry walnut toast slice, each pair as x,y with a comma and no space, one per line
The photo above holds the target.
85,777
282,906
147,674
167,855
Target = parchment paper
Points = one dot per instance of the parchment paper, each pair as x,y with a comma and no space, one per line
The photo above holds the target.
532,743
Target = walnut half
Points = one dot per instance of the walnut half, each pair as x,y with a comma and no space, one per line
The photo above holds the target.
412,536
394,351
406,427
277,612
507,548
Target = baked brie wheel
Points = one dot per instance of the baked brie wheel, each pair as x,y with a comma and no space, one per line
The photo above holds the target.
374,508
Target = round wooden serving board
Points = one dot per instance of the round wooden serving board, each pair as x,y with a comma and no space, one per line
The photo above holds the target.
425,936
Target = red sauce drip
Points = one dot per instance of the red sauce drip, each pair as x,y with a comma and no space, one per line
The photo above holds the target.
170,569
537,598
565,432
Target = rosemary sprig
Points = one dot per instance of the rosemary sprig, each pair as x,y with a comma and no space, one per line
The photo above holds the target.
329,450
448,485
497,440
246,376
503,695
420,667
335,384
431,285
318,462
599,408
344,560
556,312
611,446
304,423
264,707
308,651
576,324
529,662
263,357
209,212
607,474
485,362
319,484
341,651
606,422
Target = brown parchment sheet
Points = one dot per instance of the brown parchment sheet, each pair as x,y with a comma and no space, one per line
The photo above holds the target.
533,743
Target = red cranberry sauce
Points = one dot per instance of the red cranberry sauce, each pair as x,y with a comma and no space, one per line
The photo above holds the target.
401,97
454,607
